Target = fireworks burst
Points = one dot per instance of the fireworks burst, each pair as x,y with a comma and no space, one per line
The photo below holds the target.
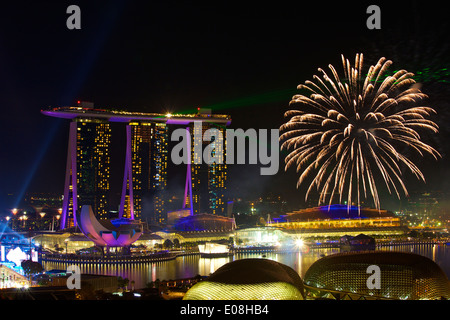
349,131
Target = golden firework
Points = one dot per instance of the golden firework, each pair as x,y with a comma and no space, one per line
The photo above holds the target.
346,131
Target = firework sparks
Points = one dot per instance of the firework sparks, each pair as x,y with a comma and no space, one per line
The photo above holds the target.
349,131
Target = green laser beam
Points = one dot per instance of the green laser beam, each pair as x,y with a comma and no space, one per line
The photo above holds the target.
424,75
261,98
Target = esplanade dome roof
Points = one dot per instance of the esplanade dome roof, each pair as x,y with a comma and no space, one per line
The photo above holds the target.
246,271
249,279
403,275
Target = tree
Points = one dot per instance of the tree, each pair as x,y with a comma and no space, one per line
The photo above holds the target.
168,244
31,267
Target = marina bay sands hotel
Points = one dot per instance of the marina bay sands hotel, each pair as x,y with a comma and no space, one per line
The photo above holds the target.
87,180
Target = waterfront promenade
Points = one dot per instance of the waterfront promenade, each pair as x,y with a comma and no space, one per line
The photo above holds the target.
170,255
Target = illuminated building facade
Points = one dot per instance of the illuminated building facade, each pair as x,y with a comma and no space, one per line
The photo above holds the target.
260,236
208,179
205,222
158,172
88,168
88,162
93,164
336,220
10,278
149,152
141,134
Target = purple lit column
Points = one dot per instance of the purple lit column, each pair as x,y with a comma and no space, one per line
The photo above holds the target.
71,172
128,177
188,186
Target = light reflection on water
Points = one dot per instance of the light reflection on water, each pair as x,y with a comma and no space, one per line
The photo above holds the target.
190,266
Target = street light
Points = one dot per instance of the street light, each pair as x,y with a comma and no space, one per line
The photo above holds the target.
53,220
66,241
42,214
23,218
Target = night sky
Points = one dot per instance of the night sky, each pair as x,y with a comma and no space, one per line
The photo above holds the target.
245,60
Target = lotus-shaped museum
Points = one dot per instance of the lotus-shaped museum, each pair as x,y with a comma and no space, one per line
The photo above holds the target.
120,232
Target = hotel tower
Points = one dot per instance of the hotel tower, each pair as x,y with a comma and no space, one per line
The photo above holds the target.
88,169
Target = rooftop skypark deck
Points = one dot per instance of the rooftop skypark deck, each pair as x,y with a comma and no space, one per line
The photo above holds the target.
127,116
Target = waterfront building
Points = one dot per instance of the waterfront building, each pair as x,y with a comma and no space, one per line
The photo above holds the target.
77,242
195,236
149,151
10,278
281,232
197,228
261,236
338,220
208,179
121,232
205,222
93,164
88,168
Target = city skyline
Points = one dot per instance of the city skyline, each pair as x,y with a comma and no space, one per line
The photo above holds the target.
247,66
168,150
